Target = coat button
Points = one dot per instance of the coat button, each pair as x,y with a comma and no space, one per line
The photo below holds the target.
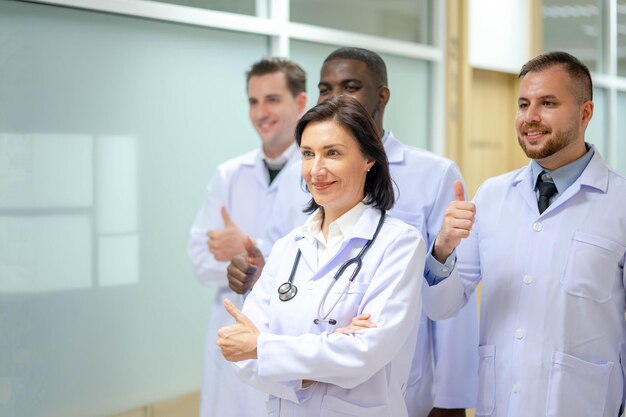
537,226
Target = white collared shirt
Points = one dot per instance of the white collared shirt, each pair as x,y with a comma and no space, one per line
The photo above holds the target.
338,231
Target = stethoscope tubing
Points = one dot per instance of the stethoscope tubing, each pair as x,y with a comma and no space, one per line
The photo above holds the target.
288,290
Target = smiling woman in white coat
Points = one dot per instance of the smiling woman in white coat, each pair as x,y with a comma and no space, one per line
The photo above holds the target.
348,259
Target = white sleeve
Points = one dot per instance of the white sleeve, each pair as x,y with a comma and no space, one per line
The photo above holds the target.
208,271
393,300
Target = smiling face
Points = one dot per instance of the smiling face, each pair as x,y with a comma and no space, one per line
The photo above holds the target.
274,111
551,120
333,167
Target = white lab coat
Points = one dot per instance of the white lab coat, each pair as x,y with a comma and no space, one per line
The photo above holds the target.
444,372
358,375
552,329
241,185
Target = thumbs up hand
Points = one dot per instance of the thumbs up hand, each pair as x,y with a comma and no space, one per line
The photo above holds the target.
238,341
226,243
457,224
245,270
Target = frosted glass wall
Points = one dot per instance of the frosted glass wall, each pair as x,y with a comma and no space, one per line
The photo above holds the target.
409,112
110,129
408,20
232,6
577,27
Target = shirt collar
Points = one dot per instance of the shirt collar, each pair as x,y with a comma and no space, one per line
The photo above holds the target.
280,160
344,225
566,175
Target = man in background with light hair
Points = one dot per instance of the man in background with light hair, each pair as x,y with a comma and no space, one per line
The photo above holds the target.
236,210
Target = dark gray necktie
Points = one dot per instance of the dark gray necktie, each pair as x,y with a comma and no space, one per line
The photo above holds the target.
273,172
546,190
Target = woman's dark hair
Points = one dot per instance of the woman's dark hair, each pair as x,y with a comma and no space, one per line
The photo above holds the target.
348,113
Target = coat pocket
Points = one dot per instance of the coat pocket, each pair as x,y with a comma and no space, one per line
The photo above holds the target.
577,388
591,266
335,407
487,380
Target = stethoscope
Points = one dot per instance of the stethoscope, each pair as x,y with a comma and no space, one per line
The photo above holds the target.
288,290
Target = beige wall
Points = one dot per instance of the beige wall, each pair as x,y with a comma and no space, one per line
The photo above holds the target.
481,105
489,146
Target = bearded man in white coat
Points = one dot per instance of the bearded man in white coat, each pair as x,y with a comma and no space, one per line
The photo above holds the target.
238,203
548,242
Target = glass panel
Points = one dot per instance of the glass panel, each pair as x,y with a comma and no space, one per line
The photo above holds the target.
621,38
408,20
110,129
596,130
621,128
247,7
408,113
575,26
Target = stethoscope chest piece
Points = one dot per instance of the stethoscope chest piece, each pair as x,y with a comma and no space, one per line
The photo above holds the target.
287,291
